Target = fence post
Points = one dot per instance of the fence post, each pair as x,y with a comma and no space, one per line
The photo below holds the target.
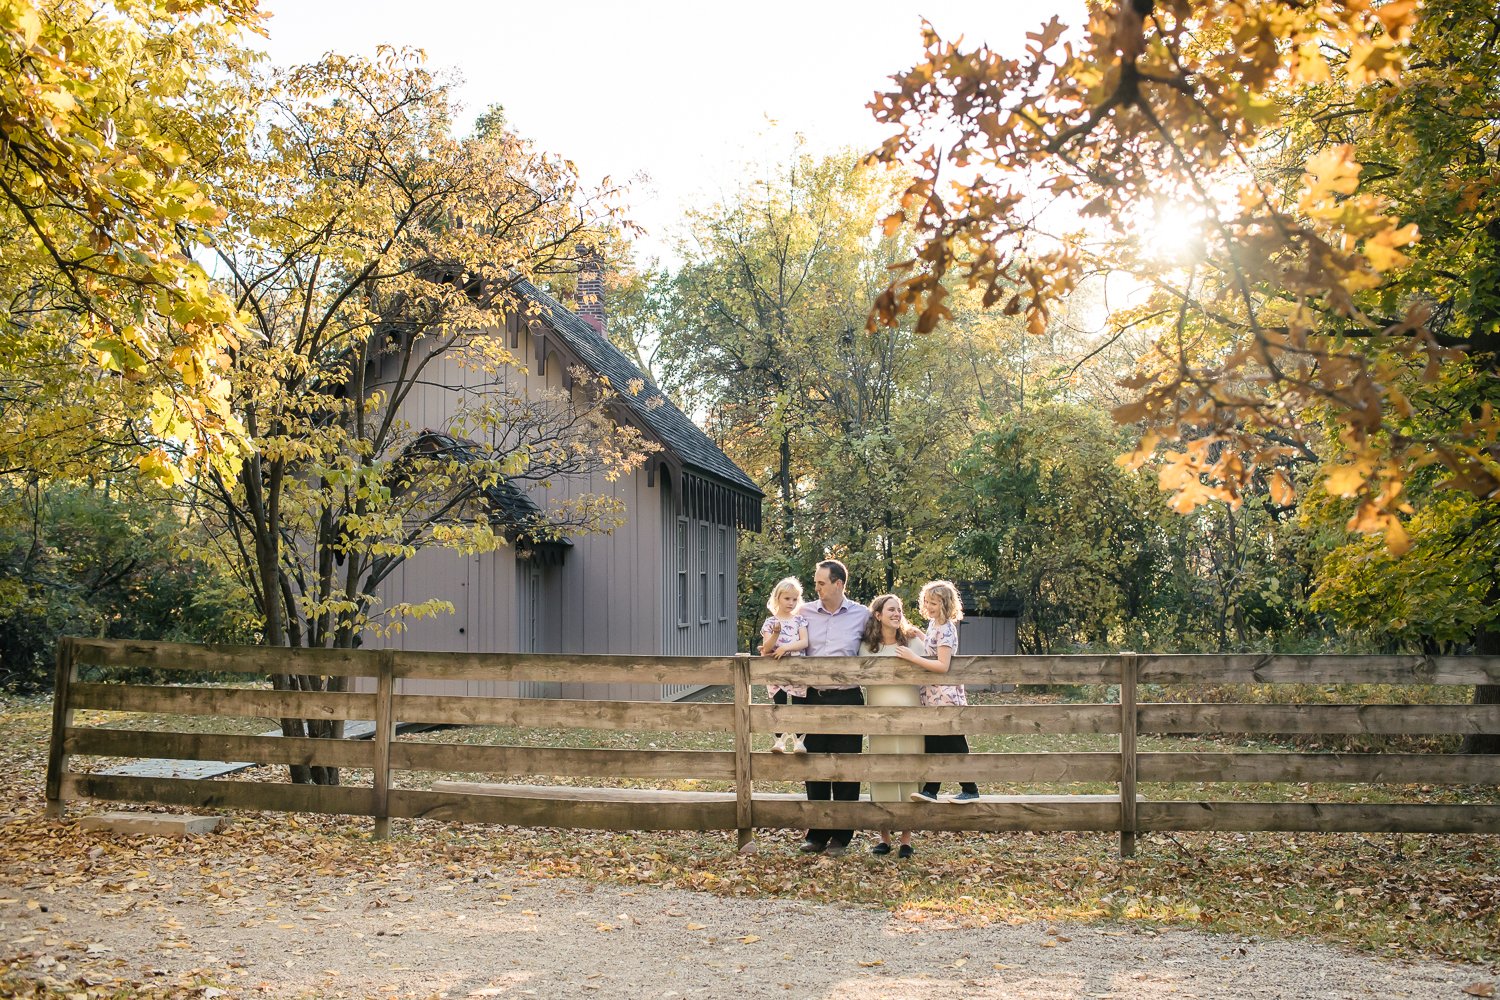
385,684
1129,717
62,718
742,815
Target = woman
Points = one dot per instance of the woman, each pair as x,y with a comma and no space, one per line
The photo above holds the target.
886,632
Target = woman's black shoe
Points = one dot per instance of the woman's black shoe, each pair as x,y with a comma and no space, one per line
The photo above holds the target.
881,849
905,851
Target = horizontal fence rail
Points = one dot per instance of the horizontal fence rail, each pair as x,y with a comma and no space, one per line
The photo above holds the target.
716,788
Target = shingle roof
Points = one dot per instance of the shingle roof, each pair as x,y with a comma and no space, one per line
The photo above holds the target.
516,513
686,439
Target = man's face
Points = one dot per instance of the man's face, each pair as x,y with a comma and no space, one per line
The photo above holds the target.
829,589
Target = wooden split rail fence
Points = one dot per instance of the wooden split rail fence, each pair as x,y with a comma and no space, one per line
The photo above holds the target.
377,693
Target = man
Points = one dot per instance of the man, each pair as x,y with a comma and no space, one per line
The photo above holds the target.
834,624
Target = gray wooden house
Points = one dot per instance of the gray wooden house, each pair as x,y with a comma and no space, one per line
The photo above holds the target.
664,583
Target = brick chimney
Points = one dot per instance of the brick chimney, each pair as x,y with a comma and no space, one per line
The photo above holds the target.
590,305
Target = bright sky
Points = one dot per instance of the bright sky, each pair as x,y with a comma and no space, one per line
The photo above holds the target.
679,95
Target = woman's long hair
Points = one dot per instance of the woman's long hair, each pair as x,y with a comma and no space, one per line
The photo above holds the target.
874,634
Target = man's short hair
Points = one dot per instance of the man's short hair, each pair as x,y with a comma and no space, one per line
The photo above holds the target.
836,570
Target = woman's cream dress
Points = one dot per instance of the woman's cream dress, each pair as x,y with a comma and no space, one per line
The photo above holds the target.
894,696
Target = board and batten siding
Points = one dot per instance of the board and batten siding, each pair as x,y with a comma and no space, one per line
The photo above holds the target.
695,623
981,635
608,596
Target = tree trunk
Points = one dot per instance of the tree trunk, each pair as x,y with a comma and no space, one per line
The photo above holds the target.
889,556
784,481
1484,694
1487,643
300,774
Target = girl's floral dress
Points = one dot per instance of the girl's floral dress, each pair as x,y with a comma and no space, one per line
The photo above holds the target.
945,634
786,632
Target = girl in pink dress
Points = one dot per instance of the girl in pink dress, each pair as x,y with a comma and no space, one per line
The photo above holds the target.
943,610
785,634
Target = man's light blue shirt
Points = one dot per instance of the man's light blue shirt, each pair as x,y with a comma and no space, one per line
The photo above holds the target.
834,633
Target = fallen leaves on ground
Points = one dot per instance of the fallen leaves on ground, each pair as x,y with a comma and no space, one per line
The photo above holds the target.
1436,896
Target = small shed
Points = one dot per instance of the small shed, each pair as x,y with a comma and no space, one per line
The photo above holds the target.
989,625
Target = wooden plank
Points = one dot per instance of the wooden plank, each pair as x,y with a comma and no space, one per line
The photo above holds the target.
583,793
571,668
245,702
742,783
713,765
62,720
1320,817
545,805
1129,671
518,811
263,795
1322,719
211,658
219,747
385,735
972,670
984,768
1211,668
562,713
968,720
1360,768
992,813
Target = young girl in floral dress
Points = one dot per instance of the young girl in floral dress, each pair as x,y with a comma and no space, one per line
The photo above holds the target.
785,634
943,610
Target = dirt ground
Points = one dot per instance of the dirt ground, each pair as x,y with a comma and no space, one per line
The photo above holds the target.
217,920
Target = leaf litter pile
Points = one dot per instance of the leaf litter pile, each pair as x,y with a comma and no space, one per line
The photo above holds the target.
281,883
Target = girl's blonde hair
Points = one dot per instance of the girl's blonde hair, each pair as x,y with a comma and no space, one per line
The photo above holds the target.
950,605
873,637
786,583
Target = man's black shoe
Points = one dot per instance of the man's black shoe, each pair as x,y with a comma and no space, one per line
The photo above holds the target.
812,847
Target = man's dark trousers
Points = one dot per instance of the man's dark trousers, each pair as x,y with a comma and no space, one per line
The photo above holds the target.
838,791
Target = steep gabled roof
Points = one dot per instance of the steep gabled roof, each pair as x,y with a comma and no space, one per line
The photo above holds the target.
695,449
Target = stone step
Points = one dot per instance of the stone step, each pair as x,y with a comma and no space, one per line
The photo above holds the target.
150,824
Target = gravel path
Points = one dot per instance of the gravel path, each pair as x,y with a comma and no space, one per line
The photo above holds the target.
508,935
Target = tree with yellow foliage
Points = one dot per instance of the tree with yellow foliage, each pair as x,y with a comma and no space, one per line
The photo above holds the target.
1295,309
113,338
1340,305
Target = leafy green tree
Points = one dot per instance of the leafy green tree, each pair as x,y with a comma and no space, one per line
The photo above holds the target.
853,435
1053,521
767,291
81,560
1442,596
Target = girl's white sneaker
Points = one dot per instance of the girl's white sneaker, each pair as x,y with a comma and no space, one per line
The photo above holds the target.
779,746
799,746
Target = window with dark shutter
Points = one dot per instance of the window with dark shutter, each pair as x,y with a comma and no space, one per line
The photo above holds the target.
682,572
703,607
